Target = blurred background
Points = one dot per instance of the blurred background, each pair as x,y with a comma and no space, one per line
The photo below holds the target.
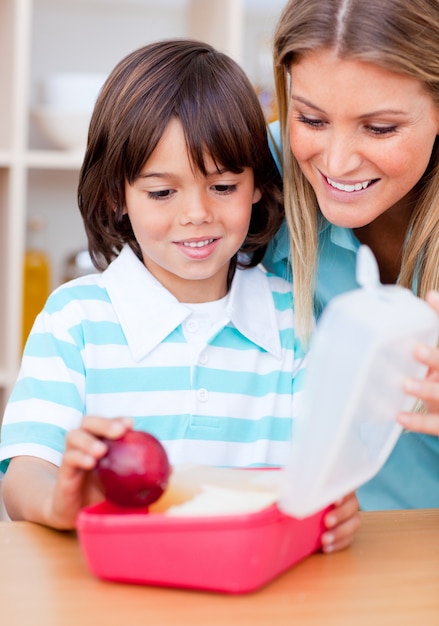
54,56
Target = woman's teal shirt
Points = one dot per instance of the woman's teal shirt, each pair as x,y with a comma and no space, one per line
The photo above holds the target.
410,478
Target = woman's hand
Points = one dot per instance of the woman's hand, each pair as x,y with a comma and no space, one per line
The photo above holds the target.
341,522
426,390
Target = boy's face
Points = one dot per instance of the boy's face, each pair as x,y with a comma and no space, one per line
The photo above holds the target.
189,226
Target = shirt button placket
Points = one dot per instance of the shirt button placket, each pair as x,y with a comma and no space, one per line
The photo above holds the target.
202,395
203,358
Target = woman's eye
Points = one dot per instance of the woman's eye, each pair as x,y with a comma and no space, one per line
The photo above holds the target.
381,130
310,121
371,128
162,194
224,189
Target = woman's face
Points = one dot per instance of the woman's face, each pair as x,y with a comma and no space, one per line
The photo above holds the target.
362,135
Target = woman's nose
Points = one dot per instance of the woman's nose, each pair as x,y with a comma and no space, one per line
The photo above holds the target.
341,154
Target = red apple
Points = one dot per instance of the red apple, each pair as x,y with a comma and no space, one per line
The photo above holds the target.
135,470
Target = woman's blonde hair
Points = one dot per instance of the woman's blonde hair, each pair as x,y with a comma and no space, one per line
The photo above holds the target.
401,36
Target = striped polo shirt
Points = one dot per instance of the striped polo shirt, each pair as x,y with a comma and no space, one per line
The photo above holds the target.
114,344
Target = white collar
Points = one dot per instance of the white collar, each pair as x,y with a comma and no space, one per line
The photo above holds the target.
148,312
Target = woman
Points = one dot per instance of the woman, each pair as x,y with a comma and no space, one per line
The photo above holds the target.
358,93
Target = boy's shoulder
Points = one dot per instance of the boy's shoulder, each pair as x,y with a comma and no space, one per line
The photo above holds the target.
282,293
80,288
256,284
275,282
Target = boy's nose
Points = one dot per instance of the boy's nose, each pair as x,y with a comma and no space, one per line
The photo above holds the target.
197,209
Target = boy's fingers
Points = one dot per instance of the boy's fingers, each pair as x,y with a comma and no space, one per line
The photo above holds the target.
103,427
82,441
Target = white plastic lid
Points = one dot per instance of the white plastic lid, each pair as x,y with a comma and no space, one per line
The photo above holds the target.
361,353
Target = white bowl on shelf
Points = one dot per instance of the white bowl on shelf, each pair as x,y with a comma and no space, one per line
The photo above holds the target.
63,129
71,90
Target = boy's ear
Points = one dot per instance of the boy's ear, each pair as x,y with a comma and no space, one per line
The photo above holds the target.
257,195
119,210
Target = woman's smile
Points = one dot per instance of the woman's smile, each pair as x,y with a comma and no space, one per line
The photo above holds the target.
349,187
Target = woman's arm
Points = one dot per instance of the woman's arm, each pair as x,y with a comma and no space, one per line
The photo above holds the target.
341,523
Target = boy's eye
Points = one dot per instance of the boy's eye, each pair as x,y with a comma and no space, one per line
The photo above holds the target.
161,194
224,189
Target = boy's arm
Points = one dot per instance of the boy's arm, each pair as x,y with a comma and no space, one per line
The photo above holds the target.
28,490
38,491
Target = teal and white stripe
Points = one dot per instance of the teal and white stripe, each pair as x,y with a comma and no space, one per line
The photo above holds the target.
112,344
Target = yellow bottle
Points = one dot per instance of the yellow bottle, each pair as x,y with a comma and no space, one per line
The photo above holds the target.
36,278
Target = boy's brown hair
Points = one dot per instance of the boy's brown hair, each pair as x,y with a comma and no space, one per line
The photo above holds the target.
221,117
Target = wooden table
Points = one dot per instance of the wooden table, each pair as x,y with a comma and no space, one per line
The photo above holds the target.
390,576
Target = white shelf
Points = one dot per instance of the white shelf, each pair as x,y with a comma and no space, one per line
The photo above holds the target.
53,159
42,159
4,379
5,158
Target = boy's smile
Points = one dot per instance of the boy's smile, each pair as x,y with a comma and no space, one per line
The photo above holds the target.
189,225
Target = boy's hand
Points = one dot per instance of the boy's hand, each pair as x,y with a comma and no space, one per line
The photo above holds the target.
342,522
75,486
